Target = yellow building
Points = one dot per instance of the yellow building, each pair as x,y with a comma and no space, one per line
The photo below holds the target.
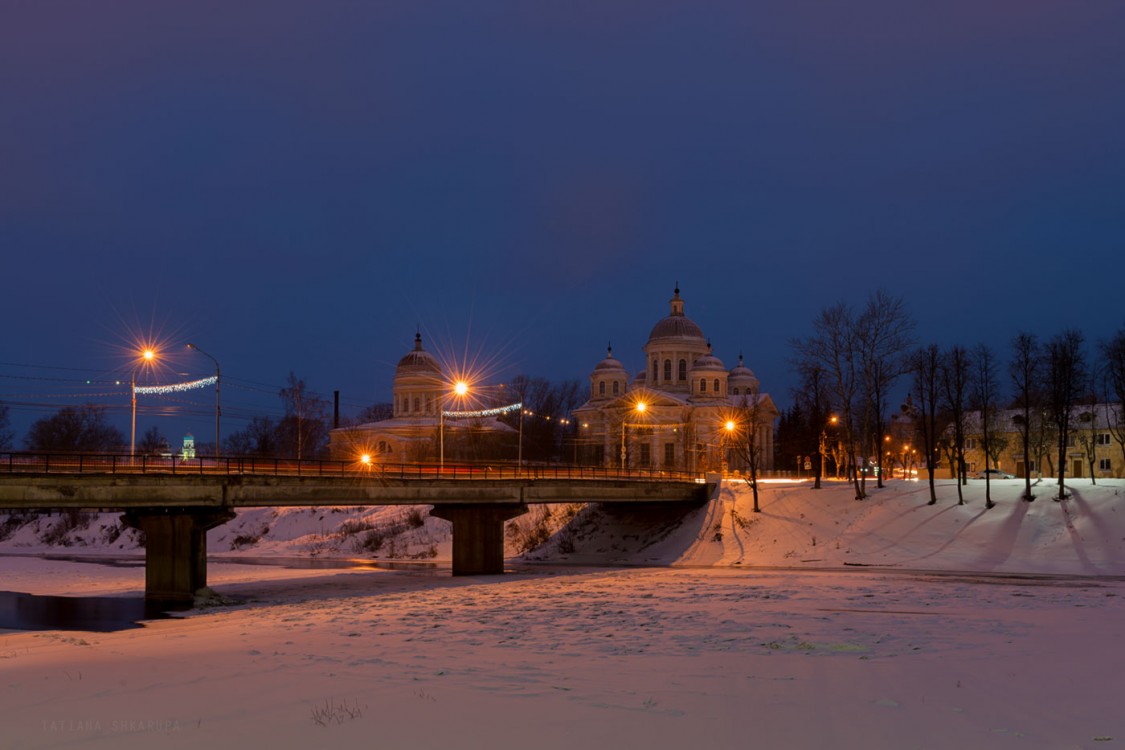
672,415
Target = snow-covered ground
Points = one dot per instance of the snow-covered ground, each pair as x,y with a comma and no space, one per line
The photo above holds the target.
710,646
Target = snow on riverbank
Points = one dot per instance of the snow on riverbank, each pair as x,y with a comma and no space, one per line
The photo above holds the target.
797,526
726,656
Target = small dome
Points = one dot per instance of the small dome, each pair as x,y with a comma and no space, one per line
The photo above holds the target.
610,364
708,363
676,325
743,376
418,361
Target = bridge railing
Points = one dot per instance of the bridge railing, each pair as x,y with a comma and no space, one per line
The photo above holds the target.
113,463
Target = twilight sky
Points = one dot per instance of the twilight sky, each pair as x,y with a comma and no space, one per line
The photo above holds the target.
301,186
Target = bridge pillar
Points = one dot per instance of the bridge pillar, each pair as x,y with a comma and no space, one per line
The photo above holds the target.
478,535
175,551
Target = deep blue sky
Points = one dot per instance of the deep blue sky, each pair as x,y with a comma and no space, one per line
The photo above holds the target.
299,186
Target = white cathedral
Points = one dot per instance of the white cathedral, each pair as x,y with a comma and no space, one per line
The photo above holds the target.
673,414
669,416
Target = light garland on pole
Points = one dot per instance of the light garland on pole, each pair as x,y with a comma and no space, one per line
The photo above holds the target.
175,387
482,413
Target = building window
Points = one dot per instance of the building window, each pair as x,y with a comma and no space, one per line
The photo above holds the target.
601,387
383,447
429,404
716,385
654,373
417,404
1104,464
1103,438
683,369
970,444
1031,466
405,405
616,388
667,370
972,467
703,385
646,454
736,390
1070,441
669,454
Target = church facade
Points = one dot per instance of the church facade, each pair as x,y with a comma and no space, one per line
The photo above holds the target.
416,430
685,411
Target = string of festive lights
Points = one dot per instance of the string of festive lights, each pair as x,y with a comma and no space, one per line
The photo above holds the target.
176,387
481,413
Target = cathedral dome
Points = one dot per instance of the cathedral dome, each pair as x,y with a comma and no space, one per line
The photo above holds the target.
743,377
676,325
610,365
418,361
708,363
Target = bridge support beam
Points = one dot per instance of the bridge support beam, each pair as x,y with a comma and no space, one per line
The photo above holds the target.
478,535
175,551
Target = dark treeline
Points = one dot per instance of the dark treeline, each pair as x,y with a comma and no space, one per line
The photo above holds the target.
1057,394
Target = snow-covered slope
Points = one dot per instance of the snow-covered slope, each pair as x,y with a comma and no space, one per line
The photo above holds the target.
797,526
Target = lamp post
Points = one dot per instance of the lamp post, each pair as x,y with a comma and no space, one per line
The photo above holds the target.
460,389
639,407
218,410
147,357
724,444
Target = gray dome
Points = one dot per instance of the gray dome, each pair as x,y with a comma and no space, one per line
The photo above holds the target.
709,363
610,364
418,361
676,325
743,376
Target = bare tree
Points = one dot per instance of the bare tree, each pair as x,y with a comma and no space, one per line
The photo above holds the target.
927,381
832,348
6,434
1113,354
985,395
1066,382
749,419
883,338
1025,370
75,428
813,392
259,438
375,413
1086,436
153,443
956,378
303,431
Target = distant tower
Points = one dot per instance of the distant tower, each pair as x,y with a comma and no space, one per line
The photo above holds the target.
188,450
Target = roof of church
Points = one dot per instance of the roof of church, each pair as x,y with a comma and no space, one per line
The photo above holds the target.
709,362
418,360
609,363
676,325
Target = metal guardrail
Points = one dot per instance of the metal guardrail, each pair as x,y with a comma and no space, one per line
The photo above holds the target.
123,464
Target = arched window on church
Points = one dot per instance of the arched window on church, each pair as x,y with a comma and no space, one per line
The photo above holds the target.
417,404
703,385
716,385
616,388
655,374
736,390
683,370
601,387
405,405
383,447
429,404
667,371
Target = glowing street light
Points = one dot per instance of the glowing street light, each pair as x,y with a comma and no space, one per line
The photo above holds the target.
218,410
148,356
460,390
640,408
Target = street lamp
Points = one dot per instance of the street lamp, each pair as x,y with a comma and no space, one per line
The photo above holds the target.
217,408
724,444
640,408
460,389
147,358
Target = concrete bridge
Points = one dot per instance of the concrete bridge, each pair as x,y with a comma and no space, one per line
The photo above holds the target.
176,504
